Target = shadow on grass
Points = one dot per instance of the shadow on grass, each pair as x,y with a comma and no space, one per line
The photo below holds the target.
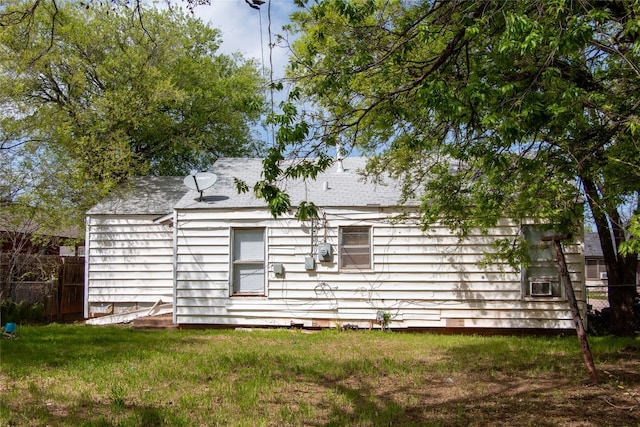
484,386
59,346
439,402
502,381
94,414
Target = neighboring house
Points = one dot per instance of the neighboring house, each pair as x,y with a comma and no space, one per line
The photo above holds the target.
18,237
41,268
223,260
595,268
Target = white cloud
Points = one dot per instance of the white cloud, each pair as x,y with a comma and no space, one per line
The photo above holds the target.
246,30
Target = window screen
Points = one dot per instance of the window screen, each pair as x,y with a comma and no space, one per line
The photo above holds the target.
355,247
541,278
248,261
596,269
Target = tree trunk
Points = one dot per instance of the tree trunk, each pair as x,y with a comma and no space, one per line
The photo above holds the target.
621,270
622,294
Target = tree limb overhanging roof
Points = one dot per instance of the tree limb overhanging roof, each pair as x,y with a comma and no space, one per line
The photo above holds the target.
160,195
332,188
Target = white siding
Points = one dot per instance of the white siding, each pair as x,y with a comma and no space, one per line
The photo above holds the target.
129,263
423,280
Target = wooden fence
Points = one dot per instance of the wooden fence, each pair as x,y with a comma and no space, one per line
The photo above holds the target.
57,282
71,286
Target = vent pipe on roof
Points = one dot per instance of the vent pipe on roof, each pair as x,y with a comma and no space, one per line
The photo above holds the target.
339,158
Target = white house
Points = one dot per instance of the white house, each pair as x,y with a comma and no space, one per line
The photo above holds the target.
223,260
129,247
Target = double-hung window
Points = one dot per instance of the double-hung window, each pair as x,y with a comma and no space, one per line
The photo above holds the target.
248,261
541,278
355,248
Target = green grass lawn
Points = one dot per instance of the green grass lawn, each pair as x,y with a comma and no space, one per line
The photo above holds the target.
115,376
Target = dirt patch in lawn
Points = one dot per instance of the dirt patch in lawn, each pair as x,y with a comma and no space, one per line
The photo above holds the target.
471,399
466,401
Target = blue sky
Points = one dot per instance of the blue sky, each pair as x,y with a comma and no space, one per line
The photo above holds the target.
241,28
246,30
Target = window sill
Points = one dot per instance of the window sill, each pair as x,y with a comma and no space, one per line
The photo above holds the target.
248,296
543,298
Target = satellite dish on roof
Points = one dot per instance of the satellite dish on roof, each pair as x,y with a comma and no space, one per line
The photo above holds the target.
200,181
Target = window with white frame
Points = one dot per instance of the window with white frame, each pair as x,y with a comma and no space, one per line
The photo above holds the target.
541,278
355,247
248,261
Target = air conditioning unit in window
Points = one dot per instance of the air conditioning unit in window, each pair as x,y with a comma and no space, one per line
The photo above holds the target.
603,275
540,288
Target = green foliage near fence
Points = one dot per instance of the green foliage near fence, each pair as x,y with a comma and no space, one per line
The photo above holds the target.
21,312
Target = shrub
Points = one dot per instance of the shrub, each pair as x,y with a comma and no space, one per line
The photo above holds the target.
11,311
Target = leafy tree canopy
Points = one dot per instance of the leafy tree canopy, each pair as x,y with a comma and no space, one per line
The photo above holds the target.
92,95
484,109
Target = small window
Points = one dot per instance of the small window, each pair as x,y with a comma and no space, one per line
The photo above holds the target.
248,262
355,247
541,278
596,269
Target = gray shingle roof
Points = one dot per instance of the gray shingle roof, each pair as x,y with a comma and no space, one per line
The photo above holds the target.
150,195
330,189
592,246
160,195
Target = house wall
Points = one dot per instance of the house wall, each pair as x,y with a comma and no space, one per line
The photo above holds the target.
597,288
421,279
598,281
129,263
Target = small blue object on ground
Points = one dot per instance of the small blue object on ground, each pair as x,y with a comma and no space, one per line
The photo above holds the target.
10,328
